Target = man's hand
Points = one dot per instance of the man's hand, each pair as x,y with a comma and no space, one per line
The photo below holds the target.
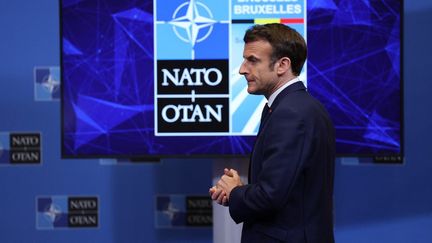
219,196
228,181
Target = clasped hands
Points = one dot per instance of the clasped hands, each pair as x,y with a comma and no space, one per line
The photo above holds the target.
222,190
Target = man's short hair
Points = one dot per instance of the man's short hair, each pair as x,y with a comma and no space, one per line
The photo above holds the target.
285,41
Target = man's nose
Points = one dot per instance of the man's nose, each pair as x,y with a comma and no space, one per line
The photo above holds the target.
243,70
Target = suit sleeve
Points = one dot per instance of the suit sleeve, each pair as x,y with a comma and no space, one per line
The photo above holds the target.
282,156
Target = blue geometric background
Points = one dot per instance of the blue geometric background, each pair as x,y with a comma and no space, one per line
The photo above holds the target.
353,68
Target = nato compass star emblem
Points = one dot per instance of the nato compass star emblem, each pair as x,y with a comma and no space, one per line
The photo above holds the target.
47,83
52,213
171,211
198,18
50,84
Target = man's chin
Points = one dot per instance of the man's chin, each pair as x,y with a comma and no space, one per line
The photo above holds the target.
253,91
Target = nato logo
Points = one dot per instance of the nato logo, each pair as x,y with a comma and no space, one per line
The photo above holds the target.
20,148
47,83
66,212
183,211
194,29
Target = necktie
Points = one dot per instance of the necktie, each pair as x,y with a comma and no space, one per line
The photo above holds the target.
264,114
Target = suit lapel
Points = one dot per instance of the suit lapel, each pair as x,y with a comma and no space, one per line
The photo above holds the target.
292,88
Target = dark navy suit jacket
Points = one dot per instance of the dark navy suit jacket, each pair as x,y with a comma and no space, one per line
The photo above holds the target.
289,197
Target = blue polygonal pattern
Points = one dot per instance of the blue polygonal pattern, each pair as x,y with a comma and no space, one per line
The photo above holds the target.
354,69
324,4
69,48
95,117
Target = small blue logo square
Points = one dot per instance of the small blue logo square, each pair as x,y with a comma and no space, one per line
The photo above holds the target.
51,212
189,30
47,83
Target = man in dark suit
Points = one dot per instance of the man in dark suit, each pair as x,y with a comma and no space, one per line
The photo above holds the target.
289,197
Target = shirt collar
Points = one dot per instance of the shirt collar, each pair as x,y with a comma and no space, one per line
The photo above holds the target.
275,94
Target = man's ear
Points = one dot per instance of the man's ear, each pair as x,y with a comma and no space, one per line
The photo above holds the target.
284,66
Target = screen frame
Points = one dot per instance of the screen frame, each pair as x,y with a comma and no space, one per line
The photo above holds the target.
396,158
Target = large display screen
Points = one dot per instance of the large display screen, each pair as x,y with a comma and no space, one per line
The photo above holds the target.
160,78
